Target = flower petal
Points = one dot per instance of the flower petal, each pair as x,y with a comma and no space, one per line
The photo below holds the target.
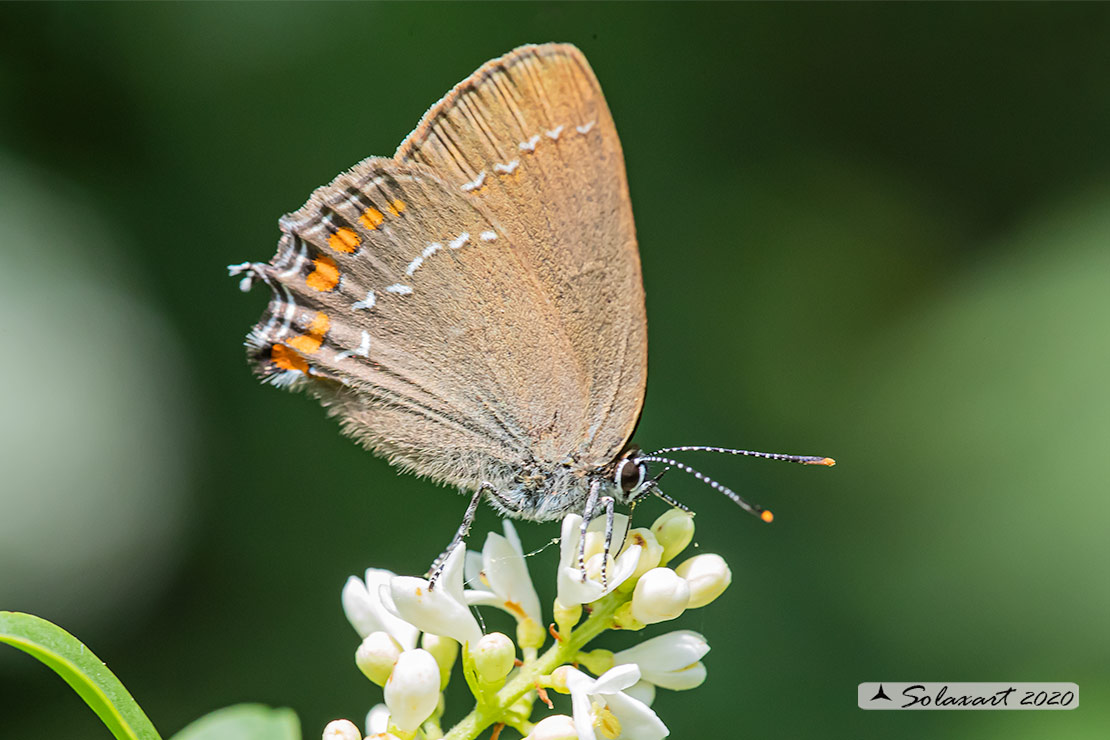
508,576
512,537
638,721
582,710
451,577
571,589
356,605
442,611
626,566
690,677
615,679
568,541
642,691
669,652
365,612
620,529
482,598
472,571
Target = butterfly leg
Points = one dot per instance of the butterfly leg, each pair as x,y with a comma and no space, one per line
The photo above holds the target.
460,535
587,516
607,502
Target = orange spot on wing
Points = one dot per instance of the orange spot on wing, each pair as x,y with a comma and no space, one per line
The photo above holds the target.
311,340
371,218
396,208
304,344
286,359
344,240
325,276
320,325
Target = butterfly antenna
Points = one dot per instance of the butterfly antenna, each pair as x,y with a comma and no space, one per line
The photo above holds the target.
803,459
753,509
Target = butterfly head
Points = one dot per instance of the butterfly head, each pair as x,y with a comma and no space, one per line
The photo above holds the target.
630,477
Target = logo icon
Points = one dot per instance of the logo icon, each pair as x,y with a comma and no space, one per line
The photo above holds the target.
880,694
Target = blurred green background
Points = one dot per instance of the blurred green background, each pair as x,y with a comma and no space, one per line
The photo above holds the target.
877,232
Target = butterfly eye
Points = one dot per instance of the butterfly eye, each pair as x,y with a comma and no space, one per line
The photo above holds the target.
630,475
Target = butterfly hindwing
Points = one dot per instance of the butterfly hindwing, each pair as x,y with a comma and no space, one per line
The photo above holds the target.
400,303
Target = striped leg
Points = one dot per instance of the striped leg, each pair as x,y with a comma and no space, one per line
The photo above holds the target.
587,516
460,535
607,502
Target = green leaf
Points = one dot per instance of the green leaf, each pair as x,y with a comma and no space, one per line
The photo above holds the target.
82,670
244,722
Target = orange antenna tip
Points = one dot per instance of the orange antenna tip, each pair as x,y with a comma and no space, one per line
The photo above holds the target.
827,461
767,516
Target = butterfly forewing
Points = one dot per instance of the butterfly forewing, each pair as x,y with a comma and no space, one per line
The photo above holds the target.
473,307
530,136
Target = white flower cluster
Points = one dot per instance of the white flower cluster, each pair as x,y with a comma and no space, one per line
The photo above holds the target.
633,589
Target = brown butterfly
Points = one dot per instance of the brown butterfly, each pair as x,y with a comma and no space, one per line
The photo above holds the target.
472,308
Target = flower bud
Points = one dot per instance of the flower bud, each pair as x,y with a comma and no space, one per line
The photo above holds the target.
555,727
493,656
651,553
530,633
412,691
341,729
445,650
377,655
673,530
660,594
377,720
707,575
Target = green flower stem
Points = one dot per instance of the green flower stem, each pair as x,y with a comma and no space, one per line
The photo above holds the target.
485,715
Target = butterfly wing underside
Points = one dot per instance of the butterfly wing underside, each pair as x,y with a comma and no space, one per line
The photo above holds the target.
531,137
472,322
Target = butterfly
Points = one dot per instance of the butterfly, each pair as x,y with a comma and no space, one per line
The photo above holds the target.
472,308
